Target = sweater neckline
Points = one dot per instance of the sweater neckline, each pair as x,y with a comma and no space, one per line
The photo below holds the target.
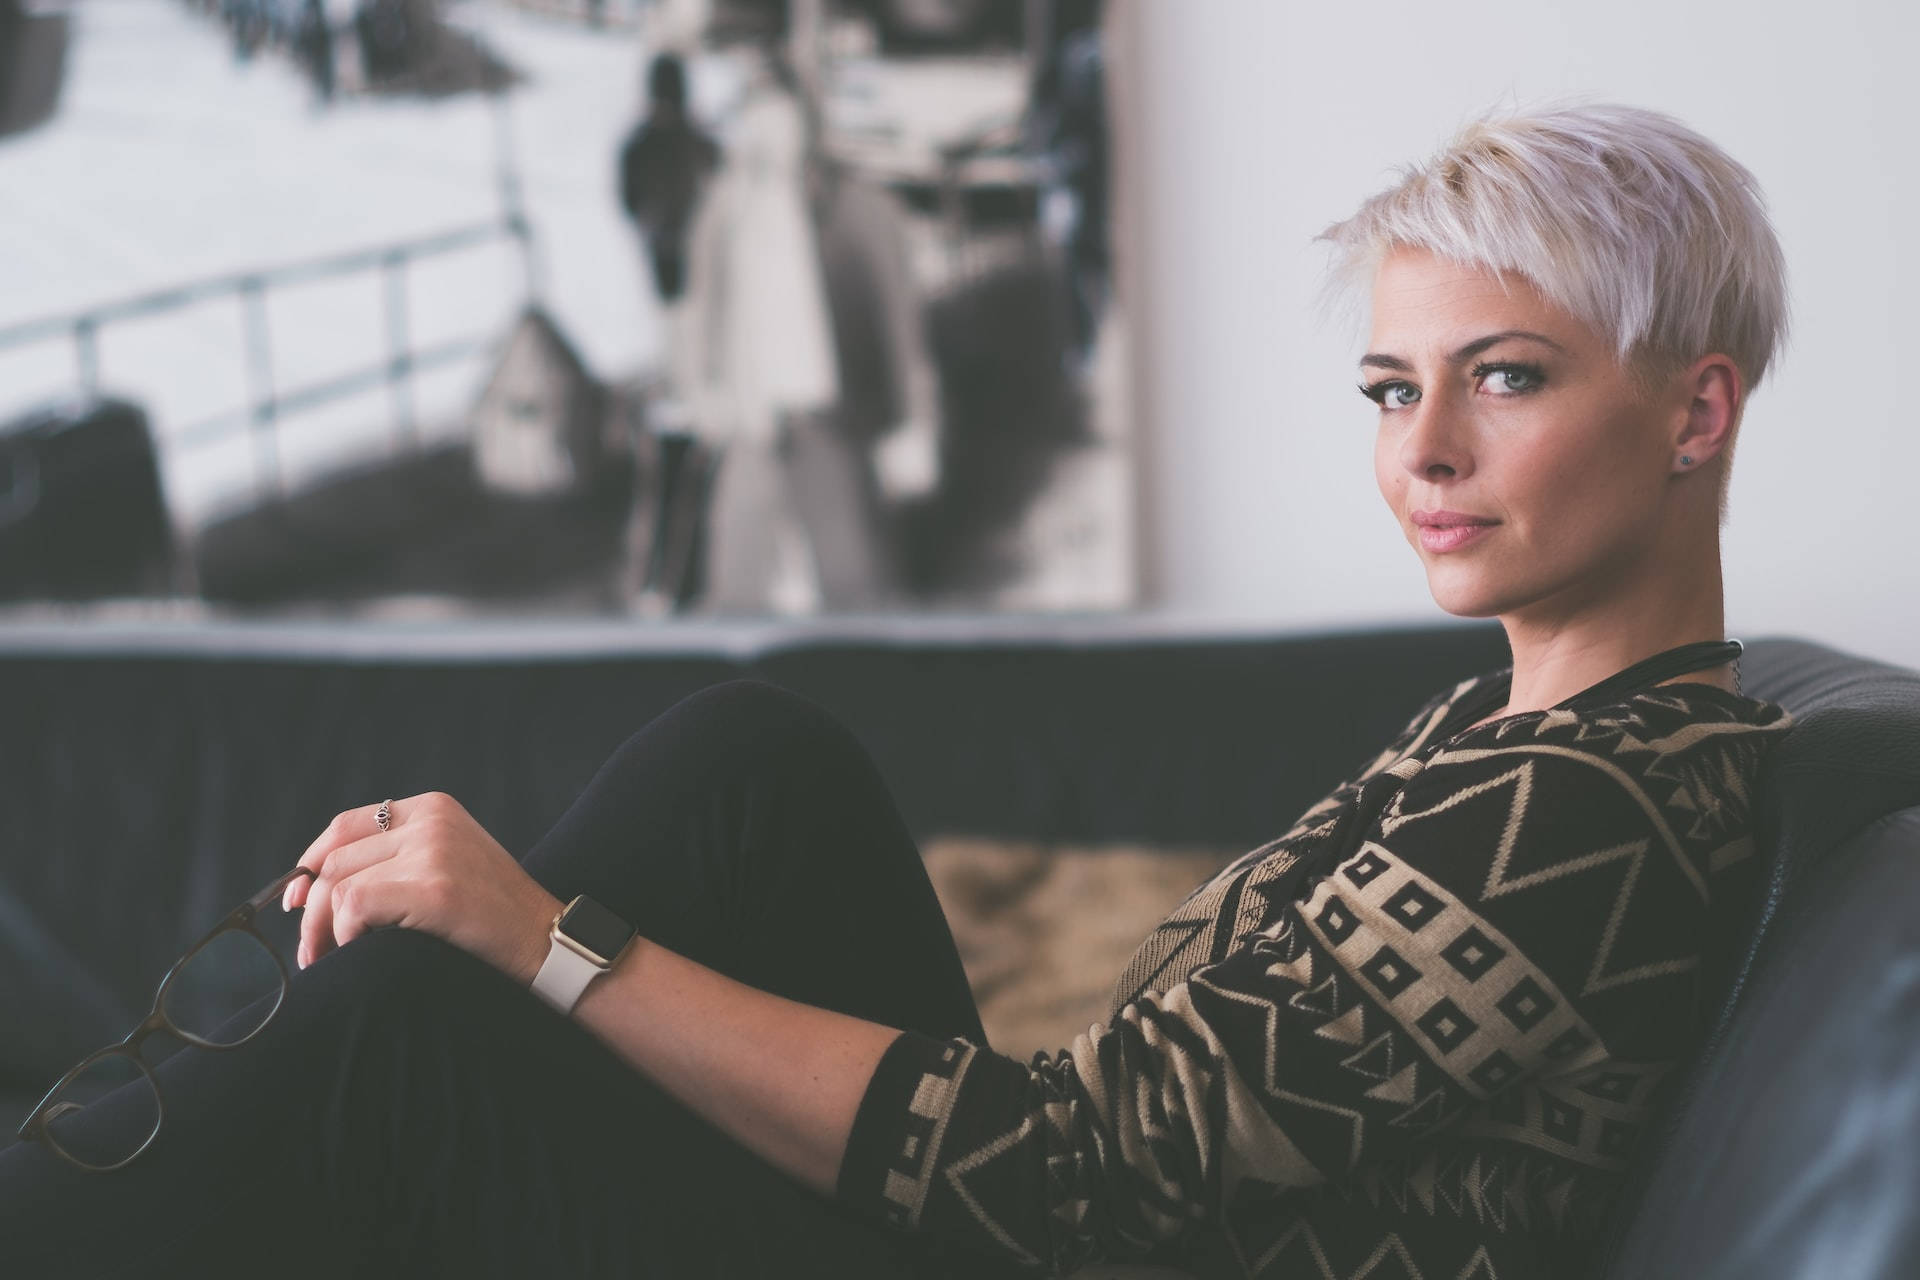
1494,686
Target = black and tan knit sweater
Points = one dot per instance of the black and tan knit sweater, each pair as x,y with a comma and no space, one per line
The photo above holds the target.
1416,1036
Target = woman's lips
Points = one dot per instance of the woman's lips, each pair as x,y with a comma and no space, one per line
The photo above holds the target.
1451,537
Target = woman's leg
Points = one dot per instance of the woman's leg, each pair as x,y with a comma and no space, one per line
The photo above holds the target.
411,1109
747,829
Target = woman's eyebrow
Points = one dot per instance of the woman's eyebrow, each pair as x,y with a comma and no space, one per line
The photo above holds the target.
1465,353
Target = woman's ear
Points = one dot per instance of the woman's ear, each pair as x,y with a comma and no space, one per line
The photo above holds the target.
1712,396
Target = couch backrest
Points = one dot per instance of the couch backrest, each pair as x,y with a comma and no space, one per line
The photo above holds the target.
1794,1147
146,785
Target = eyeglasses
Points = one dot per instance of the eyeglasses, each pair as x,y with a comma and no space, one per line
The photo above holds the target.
222,993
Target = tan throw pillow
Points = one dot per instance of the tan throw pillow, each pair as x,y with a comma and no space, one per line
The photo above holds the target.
1045,930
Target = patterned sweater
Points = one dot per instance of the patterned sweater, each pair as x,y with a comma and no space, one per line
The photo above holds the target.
1416,1036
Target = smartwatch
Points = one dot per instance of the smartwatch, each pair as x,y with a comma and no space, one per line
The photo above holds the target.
587,940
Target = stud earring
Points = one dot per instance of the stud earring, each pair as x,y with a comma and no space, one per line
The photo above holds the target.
1685,461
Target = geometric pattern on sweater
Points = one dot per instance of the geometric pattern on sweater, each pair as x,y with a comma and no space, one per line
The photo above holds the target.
1237,900
1420,1033
1406,1218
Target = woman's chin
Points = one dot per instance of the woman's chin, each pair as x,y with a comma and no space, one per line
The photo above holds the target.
1462,599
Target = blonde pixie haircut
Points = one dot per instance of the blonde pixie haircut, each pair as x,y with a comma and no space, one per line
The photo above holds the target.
1625,218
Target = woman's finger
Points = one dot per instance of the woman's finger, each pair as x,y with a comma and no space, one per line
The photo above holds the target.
316,926
347,826
388,892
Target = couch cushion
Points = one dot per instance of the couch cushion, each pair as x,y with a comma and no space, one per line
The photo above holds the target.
1853,755
1799,1155
1045,931
1852,758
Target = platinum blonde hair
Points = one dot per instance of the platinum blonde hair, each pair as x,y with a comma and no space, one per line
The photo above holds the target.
1623,217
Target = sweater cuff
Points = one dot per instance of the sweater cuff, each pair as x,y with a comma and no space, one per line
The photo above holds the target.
887,1138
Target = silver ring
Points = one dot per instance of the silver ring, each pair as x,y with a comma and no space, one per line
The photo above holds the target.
383,816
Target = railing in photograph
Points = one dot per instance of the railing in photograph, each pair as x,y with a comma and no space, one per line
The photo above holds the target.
268,404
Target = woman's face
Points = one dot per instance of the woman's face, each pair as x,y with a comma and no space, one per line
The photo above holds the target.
1524,466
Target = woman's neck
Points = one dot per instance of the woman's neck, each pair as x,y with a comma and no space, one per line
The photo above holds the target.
1553,659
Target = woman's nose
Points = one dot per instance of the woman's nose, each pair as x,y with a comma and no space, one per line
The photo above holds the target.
1435,443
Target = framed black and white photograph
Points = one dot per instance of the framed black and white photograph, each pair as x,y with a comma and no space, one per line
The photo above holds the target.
560,307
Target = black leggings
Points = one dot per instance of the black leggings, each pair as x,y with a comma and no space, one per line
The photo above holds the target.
411,1111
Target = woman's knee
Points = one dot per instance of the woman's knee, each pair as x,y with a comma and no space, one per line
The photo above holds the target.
398,1004
398,972
750,723
750,708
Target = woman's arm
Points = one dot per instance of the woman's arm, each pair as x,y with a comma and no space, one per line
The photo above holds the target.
782,1078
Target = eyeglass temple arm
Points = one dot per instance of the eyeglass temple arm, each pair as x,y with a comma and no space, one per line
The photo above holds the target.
278,887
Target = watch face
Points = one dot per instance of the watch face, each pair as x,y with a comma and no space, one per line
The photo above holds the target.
595,928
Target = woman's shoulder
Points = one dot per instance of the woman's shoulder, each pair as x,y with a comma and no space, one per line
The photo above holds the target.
1695,700
1627,732
1688,754
1675,714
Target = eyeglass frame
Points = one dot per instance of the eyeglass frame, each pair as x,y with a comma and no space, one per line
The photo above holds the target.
242,918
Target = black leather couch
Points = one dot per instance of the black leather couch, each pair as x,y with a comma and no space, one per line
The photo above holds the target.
151,778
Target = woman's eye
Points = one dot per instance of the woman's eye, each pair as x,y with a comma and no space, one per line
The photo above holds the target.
1513,379
1391,395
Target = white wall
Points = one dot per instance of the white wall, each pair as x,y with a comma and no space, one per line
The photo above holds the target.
1255,123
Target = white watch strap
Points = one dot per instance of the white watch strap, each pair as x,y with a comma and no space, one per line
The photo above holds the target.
563,976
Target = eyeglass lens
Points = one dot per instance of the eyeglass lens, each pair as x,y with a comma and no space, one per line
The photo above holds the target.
219,996
106,1113
224,991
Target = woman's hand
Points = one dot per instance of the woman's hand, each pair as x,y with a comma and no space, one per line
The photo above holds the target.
435,869
783,1079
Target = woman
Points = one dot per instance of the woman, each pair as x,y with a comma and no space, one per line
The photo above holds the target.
1421,1031
754,350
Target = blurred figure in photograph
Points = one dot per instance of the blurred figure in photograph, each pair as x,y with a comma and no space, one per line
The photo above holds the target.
385,32
854,470
756,356
664,165
810,358
313,45
247,22
1069,127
